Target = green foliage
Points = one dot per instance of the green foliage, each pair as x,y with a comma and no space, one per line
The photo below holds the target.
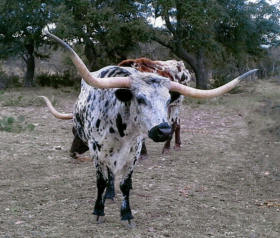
21,23
208,33
246,27
204,33
16,125
108,29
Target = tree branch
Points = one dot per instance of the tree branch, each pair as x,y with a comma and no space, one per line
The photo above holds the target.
24,58
161,42
178,18
169,25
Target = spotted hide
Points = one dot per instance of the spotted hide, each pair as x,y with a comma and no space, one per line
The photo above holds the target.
113,123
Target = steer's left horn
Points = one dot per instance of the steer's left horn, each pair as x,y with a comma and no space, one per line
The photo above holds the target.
114,82
198,93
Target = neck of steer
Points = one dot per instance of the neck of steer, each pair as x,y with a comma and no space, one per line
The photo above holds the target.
99,115
113,129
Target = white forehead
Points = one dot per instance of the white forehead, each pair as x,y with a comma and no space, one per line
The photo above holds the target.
149,83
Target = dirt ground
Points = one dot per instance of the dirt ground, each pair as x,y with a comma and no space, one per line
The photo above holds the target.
225,181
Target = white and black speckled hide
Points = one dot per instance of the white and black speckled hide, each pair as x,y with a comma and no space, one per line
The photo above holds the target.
114,129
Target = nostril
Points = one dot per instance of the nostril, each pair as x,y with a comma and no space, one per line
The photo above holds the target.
164,131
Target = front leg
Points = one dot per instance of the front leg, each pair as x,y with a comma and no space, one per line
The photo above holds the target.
101,185
110,190
125,186
144,152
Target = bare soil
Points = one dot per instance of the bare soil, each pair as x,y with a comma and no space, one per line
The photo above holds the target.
224,182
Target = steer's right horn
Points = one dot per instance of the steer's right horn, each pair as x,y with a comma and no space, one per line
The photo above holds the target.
114,82
198,93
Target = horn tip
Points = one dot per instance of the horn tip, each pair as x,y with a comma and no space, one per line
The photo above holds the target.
245,75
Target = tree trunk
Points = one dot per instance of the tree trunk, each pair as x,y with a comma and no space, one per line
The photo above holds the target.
197,63
201,72
30,65
273,69
91,55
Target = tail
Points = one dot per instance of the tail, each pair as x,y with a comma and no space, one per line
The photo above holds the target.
63,116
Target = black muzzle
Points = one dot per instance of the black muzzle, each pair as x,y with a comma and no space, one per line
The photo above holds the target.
161,132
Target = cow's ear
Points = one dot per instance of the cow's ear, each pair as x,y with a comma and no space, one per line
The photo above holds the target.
123,94
174,96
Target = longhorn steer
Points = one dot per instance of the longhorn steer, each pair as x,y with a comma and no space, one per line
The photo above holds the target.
175,71
112,116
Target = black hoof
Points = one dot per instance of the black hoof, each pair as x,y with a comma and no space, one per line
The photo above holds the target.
98,212
129,224
100,219
126,216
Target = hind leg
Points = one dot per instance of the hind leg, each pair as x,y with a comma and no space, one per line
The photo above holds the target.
177,145
144,152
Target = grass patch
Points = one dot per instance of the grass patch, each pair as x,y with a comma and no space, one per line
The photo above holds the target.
57,80
26,97
16,125
20,101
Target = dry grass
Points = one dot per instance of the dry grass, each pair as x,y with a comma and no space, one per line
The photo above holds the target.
221,184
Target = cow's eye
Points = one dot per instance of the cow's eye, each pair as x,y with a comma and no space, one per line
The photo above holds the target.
141,100
174,96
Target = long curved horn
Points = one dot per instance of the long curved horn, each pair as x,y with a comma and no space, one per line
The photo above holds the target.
198,93
63,116
116,82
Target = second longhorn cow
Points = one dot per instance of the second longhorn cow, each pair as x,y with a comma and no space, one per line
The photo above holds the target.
113,114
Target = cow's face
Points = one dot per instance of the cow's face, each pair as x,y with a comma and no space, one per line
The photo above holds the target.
149,99
183,74
177,70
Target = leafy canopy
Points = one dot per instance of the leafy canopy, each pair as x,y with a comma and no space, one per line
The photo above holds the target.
21,22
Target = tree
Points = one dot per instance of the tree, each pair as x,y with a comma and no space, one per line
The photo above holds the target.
21,23
108,29
202,31
247,29
189,32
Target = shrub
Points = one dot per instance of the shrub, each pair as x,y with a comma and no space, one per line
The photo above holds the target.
10,124
8,81
55,80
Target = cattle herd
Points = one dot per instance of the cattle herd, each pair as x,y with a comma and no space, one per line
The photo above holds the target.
118,107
